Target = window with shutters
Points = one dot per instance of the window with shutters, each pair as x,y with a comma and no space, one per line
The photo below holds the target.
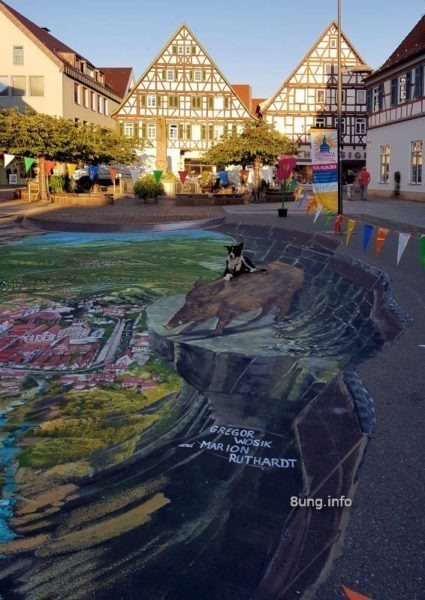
128,129
375,99
402,88
210,102
226,102
320,96
180,50
394,90
419,82
203,132
143,130
361,96
173,101
174,49
408,86
384,169
152,131
196,102
173,132
169,75
188,132
151,101
218,131
197,75
142,100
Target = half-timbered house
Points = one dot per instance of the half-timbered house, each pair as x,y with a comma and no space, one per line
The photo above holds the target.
308,99
181,104
396,120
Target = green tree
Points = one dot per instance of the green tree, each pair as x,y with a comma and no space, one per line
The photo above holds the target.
44,137
259,141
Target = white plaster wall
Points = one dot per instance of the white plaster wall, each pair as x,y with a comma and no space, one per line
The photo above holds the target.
399,137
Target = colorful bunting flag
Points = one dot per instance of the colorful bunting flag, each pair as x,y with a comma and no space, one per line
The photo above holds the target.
422,251
182,175
351,595
367,232
302,200
48,165
113,172
328,215
292,184
28,163
338,223
8,159
223,177
350,226
380,238
309,206
93,170
71,168
403,239
157,175
317,213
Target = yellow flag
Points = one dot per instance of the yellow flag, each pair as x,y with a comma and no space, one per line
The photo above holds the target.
71,168
350,227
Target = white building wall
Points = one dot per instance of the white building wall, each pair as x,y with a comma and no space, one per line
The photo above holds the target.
399,137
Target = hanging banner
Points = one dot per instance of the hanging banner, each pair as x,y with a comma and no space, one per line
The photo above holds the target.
302,200
324,160
350,227
8,159
71,168
182,175
422,251
157,175
113,172
48,165
93,171
380,238
367,232
403,239
28,163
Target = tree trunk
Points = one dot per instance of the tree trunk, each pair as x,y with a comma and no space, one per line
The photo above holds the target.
257,166
43,189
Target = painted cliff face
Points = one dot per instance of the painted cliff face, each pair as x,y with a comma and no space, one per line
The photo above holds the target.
162,427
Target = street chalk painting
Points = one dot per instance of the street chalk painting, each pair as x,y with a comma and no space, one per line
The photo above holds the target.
155,421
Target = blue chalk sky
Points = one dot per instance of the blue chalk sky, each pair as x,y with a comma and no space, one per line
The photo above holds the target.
258,42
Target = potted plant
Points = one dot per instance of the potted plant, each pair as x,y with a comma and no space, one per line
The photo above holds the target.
148,189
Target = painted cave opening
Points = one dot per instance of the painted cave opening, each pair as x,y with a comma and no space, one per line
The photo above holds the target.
155,421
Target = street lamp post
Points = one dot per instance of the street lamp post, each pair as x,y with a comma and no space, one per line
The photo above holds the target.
339,112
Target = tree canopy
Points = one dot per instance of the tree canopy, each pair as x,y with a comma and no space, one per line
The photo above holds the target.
258,140
36,135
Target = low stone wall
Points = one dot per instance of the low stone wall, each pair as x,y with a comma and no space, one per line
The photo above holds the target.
92,199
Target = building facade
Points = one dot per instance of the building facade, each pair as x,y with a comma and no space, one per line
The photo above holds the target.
396,120
181,105
308,99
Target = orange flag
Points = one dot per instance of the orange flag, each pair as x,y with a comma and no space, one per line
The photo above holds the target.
354,595
380,238
49,165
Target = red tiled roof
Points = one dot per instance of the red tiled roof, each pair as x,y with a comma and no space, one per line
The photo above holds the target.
413,44
243,90
118,78
52,43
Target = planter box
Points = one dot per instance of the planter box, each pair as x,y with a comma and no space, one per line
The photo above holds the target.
90,199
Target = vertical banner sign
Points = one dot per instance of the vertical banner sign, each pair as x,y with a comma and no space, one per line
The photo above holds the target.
324,159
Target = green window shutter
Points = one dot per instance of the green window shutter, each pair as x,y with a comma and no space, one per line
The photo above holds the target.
203,132
143,101
204,75
136,130
174,49
144,131
210,102
211,132
192,101
188,132
158,101
226,102
193,49
234,129
122,129
190,75
180,132
164,74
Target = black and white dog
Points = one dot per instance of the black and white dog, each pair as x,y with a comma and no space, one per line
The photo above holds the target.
237,262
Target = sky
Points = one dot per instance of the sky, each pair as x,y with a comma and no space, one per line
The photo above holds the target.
258,42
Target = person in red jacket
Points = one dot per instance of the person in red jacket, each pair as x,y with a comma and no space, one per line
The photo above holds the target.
364,180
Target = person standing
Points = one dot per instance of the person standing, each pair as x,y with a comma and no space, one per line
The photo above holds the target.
364,180
349,180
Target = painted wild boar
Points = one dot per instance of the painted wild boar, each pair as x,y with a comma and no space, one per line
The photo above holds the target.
226,300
